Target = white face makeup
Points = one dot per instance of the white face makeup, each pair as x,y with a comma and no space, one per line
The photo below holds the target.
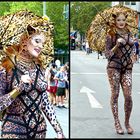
35,44
121,21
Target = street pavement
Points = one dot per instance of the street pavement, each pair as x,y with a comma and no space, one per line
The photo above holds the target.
91,115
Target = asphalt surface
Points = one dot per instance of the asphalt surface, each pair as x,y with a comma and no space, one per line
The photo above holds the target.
91,115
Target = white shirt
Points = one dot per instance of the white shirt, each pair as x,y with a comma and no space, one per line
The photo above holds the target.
87,45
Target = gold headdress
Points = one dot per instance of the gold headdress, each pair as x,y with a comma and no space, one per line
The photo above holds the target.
103,23
12,26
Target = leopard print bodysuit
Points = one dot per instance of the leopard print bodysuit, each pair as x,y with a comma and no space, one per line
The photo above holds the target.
23,116
119,70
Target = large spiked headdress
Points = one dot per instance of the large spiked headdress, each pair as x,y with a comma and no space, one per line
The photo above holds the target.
104,21
12,26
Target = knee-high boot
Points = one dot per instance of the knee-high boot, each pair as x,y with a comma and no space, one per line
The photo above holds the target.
128,109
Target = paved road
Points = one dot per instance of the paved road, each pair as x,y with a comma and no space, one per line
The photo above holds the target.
91,115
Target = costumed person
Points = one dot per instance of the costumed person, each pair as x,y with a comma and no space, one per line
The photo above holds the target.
23,94
119,52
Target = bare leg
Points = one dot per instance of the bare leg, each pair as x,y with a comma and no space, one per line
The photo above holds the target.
57,100
54,99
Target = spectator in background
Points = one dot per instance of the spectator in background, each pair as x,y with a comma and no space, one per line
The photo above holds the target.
67,82
54,67
84,46
61,77
52,86
87,47
136,43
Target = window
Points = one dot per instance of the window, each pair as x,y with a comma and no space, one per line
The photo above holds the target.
127,2
121,2
133,3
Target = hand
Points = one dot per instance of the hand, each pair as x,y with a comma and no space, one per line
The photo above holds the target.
26,79
48,88
61,80
120,41
65,78
24,84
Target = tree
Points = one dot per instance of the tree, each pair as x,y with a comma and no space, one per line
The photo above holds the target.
56,13
4,6
35,7
82,14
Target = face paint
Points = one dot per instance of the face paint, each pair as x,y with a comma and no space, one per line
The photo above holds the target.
35,44
121,21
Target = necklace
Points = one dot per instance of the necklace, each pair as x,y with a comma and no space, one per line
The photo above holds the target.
25,62
122,31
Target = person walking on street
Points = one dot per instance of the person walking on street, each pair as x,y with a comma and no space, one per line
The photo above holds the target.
87,47
84,46
119,52
136,43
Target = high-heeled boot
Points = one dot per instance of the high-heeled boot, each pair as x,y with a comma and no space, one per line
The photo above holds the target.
118,127
128,109
114,107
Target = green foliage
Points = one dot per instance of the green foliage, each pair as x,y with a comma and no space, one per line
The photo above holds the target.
82,14
35,7
4,6
54,11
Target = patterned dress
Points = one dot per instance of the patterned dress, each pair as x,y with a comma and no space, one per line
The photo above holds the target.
23,117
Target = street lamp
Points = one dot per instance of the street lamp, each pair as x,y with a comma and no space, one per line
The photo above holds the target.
66,11
44,12
44,8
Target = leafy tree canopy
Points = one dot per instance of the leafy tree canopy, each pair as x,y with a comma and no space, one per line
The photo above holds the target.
54,10
82,14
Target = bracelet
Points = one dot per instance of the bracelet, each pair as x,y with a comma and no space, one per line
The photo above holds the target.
14,93
114,48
